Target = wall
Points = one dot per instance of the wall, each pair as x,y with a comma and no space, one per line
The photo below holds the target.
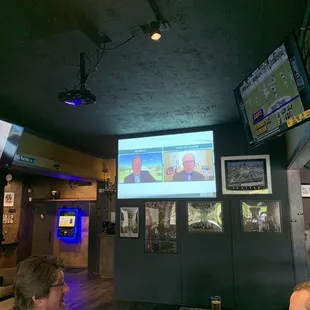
249,271
72,162
75,255
305,179
295,139
8,257
42,188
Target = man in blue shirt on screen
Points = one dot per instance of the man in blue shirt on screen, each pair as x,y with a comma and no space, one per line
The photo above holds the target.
138,175
189,173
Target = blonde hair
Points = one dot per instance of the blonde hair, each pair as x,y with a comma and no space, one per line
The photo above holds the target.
34,278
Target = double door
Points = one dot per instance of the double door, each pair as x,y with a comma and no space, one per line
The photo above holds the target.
250,270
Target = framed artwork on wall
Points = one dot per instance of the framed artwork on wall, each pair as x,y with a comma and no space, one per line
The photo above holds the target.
129,222
205,217
305,190
261,216
8,200
246,175
160,227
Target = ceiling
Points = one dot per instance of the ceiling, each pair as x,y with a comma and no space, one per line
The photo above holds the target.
183,81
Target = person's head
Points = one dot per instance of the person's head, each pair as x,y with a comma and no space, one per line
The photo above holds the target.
136,165
300,299
40,284
189,163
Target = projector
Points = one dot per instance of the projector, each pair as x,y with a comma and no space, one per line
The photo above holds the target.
77,97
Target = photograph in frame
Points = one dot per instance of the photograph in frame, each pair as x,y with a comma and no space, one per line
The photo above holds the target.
160,227
305,190
245,175
261,216
8,200
129,222
205,217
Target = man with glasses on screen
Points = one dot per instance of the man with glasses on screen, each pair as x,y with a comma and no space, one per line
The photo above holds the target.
138,175
189,173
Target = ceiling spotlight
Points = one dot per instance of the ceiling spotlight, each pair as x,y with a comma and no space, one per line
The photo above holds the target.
154,31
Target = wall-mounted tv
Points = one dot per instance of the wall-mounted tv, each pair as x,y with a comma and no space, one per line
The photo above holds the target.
275,96
167,166
10,136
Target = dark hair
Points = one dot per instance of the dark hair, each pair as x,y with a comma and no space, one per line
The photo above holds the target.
34,278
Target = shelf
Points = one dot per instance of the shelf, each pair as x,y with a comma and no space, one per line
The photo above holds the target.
61,200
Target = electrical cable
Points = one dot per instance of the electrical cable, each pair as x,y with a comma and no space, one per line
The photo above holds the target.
121,44
99,58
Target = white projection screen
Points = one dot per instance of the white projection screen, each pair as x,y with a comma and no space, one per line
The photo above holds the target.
167,166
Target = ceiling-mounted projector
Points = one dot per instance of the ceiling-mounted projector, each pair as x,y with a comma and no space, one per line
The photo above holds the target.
80,96
77,97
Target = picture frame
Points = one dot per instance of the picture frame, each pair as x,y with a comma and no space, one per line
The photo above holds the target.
245,175
8,200
129,222
160,227
261,216
305,190
205,217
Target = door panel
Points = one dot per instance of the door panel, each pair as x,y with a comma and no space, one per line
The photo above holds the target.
43,229
207,265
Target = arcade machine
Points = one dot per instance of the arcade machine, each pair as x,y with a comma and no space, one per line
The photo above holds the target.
68,224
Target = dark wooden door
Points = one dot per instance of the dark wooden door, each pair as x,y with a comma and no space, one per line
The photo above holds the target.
206,258
43,229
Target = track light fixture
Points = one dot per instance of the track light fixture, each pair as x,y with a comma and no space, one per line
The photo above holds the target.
155,31
157,26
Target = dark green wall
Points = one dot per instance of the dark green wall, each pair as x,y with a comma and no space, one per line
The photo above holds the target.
250,271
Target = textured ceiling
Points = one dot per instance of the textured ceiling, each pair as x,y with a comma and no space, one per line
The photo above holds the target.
185,80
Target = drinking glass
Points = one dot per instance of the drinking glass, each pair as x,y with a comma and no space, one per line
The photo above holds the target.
216,303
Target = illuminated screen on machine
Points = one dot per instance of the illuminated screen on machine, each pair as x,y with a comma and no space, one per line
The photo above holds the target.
168,166
66,221
275,96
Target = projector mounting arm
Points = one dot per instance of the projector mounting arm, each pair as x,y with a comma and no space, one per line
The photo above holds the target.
82,71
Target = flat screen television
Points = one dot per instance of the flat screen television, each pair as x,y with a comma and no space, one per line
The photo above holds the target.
10,136
275,97
167,166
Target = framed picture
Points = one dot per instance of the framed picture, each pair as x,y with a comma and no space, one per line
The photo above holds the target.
305,190
129,222
8,200
261,216
160,227
246,175
205,217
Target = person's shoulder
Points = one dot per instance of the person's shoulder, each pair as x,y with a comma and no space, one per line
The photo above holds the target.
128,176
145,172
177,175
198,174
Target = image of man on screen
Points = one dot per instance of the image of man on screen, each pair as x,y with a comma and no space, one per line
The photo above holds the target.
189,173
138,175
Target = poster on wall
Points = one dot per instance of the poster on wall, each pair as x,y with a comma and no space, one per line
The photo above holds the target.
129,222
305,190
261,216
160,227
8,200
245,175
204,217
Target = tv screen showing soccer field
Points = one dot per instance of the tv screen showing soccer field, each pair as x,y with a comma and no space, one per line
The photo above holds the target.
168,166
275,96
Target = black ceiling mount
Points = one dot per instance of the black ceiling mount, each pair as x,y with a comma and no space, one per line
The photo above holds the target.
90,29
